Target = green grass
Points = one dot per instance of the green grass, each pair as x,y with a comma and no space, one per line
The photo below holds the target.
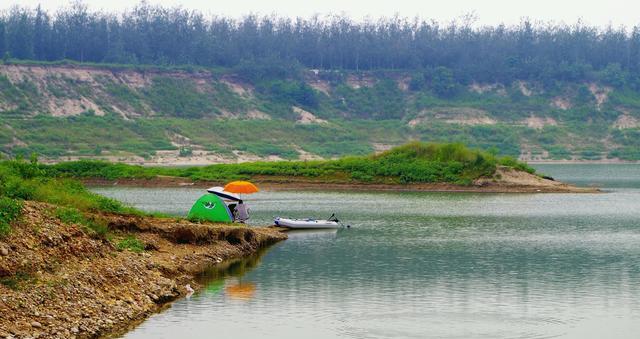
412,163
10,210
70,215
74,204
17,280
31,181
130,243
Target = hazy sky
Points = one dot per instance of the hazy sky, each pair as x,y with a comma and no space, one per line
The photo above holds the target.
601,13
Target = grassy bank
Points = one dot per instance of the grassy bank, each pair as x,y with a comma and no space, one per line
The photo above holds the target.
21,180
412,163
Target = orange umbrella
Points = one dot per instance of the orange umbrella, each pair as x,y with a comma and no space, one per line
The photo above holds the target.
241,187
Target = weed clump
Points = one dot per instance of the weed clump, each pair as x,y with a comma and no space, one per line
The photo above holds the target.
131,243
10,210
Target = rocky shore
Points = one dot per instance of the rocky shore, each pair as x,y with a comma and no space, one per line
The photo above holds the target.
59,281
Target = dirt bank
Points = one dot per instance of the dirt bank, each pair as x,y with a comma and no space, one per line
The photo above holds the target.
58,281
505,180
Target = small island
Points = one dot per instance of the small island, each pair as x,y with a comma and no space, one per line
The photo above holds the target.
417,166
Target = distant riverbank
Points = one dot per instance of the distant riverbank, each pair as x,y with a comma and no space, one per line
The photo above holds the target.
510,181
415,166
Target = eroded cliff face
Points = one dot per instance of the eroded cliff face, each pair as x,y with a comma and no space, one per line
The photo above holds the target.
58,281
149,115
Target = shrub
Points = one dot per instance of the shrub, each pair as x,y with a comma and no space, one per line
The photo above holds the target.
185,152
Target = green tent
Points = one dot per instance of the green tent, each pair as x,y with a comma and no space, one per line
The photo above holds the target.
210,208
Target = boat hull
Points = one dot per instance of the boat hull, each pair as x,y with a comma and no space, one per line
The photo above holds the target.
306,223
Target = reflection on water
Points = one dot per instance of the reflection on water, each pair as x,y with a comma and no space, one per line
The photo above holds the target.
227,277
418,265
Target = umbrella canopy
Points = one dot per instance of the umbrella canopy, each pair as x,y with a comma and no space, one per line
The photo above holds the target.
219,191
241,187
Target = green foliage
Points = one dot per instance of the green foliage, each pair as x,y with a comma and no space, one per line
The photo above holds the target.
16,281
130,243
54,136
513,163
413,163
70,215
417,82
267,69
443,83
614,75
384,100
32,181
268,47
289,92
185,151
10,210
124,94
180,98
263,148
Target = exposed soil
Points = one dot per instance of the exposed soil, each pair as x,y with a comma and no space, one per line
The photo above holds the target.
60,282
601,93
306,117
539,123
625,121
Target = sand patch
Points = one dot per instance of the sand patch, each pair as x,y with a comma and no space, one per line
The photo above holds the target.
601,93
380,147
487,88
454,115
256,114
536,122
237,87
561,103
178,140
304,155
306,117
508,176
15,142
320,86
70,107
249,157
356,82
625,121
403,83
524,89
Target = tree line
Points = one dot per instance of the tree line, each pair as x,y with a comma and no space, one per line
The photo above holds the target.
150,34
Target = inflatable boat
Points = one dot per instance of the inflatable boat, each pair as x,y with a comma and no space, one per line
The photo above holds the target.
307,223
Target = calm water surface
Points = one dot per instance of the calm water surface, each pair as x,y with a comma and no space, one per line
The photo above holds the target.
426,265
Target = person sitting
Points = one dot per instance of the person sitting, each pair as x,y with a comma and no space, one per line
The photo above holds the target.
242,212
232,209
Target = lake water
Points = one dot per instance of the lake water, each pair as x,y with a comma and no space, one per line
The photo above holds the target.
426,265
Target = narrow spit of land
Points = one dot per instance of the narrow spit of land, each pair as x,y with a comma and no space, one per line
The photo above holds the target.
415,167
59,281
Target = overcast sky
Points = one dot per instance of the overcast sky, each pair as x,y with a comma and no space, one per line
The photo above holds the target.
601,13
